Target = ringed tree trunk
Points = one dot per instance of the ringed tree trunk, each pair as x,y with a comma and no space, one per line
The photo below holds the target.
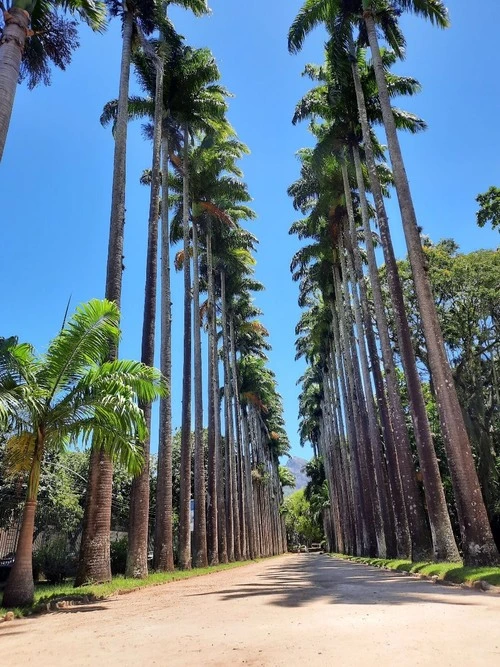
239,446
138,533
20,588
12,43
421,548
346,408
231,507
248,483
375,442
213,402
185,481
163,556
200,515
444,544
401,525
94,561
222,537
477,540
373,516
341,469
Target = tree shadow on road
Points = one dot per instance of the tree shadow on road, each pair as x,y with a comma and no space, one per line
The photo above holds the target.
310,578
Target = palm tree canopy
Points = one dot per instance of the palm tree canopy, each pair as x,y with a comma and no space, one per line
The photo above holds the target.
72,393
54,34
340,16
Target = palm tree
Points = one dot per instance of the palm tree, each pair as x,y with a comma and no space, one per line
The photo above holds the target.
188,95
334,99
216,194
477,540
138,534
339,18
70,393
34,35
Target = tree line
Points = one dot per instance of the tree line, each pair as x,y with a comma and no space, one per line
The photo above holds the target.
364,330
197,197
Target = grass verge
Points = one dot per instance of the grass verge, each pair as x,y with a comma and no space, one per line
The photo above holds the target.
452,572
45,594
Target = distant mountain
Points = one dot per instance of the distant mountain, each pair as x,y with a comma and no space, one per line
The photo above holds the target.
295,465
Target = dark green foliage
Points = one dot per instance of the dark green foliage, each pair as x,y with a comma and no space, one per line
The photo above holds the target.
53,44
119,555
55,560
466,290
287,478
490,208
302,523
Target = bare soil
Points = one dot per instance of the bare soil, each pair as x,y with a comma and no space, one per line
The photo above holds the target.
303,609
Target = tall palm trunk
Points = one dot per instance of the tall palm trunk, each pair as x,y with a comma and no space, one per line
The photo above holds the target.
163,557
252,546
200,514
373,518
20,587
340,470
442,535
220,464
94,561
401,525
477,540
232,537
239,447
12,44
213,419
138,533
327,445
375,442
365,537
185,474
421,543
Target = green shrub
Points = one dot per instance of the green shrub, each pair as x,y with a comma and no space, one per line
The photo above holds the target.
55,560
119,555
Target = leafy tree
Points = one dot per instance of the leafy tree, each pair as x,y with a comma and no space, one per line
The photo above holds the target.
302,524
465,286
489,211
287,478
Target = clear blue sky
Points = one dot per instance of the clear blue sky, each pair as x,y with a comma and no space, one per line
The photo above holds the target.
56,173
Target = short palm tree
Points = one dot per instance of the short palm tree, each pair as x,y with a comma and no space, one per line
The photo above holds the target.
35,34
69,394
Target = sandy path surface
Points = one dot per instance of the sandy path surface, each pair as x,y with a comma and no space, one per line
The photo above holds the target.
303,609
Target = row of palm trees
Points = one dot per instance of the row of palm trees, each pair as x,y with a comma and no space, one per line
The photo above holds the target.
198,196
351,408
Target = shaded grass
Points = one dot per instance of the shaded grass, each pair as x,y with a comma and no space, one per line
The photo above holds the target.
45,594
453,572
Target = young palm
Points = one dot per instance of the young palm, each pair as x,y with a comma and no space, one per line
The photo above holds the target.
69,394
34,35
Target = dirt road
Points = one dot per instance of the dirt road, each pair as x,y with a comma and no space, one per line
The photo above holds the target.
304,609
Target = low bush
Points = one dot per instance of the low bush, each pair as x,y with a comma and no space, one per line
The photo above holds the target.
119,556
55,560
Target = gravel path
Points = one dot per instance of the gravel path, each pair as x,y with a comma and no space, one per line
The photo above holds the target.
304,609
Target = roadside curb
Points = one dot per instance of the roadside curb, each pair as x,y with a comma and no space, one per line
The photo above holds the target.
478,585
